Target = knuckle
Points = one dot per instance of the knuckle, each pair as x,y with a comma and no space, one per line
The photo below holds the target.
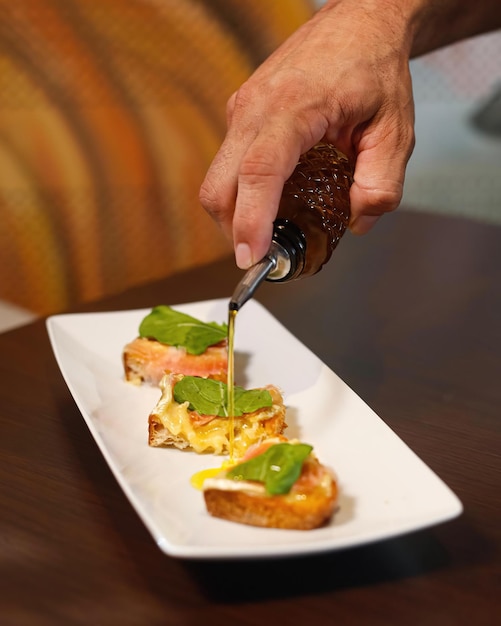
257,167
383,199
209,200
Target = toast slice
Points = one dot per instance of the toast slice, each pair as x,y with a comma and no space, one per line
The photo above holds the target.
304,497
174,423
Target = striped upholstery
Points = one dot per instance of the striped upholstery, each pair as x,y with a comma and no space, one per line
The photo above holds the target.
110,113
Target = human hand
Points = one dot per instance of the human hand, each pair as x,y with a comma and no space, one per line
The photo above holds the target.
343,78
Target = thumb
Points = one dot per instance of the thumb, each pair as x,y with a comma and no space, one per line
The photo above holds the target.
378,184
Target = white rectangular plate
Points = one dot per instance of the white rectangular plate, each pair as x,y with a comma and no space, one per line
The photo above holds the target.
385,489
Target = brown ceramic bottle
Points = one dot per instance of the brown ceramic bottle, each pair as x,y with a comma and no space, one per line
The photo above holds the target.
314,212
313,215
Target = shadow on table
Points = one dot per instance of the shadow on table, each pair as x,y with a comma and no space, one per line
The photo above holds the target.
257,580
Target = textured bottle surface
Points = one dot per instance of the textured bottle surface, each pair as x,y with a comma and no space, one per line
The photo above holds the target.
316,200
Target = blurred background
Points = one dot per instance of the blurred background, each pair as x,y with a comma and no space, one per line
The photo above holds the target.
111,112
456,164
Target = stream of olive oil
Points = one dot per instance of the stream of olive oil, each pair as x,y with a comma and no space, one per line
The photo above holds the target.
232,314
197,480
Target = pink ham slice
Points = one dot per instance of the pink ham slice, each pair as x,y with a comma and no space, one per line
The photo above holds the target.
147,360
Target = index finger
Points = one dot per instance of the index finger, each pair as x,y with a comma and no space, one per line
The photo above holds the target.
265,166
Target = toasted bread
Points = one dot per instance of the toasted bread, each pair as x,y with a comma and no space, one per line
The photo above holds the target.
308,504
172,424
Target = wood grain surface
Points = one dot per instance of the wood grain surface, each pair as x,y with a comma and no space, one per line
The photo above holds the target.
409,316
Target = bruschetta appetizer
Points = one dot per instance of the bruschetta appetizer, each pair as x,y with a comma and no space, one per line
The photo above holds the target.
173,342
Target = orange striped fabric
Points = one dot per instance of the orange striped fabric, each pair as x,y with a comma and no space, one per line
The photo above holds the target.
110,113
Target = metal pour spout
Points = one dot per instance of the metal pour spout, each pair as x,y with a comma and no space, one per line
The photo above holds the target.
274,266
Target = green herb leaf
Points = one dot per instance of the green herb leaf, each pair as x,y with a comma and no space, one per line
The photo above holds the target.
179,329
278,468
210,397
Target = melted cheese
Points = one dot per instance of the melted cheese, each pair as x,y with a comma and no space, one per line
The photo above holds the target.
258,489
213,436
228,484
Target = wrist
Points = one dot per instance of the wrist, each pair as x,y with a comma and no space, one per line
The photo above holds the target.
440,23
394,21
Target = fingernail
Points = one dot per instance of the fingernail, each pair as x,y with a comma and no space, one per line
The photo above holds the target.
363,224
243,256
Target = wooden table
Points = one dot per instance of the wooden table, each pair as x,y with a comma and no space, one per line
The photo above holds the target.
410,317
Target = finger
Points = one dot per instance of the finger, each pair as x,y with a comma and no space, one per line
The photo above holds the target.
218,192
376,190
268,162
379,175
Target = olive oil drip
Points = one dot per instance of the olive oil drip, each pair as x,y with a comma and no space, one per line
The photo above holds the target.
197,480
231,380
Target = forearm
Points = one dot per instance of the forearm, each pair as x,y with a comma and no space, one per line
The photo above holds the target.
443,22
430,24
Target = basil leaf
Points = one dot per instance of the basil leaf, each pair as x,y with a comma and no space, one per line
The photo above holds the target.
210,397
179,329
278,468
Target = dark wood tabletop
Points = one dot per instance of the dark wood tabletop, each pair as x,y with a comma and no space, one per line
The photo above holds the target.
409,316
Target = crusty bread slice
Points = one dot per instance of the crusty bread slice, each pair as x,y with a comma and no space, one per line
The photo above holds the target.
310,503
148,360
172,424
